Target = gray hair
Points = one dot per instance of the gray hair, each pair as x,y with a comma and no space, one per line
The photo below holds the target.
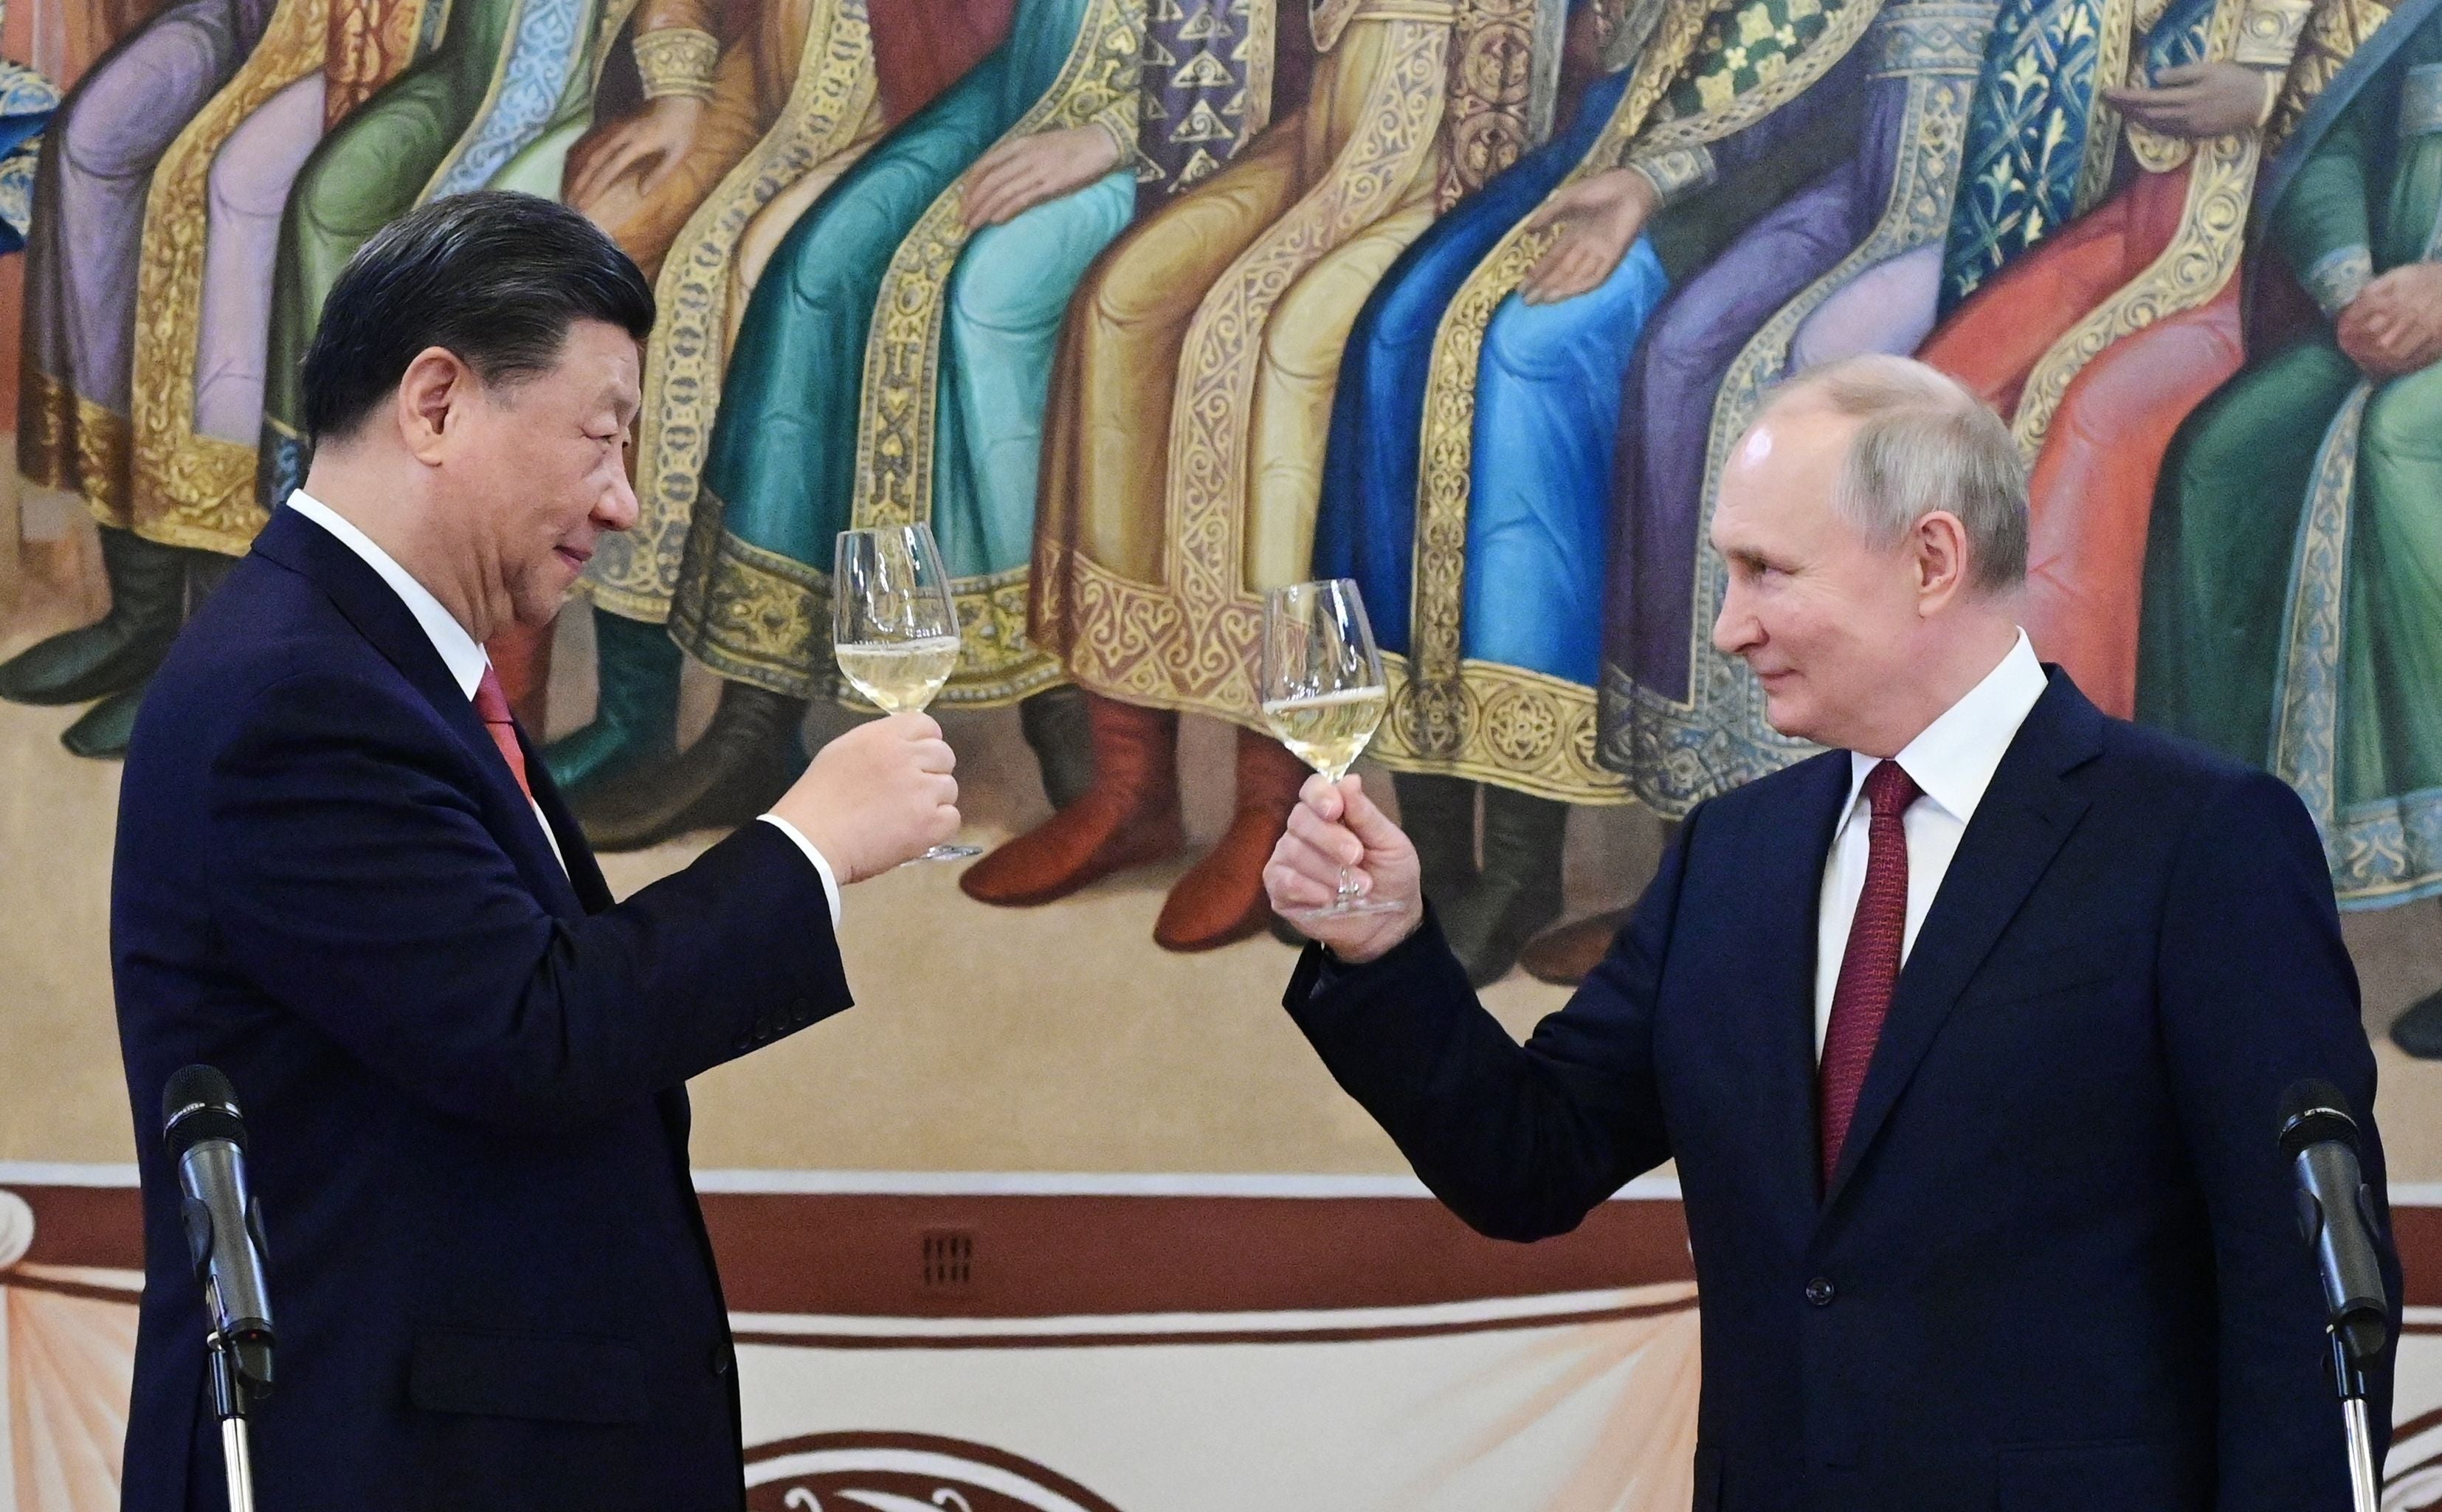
1924,444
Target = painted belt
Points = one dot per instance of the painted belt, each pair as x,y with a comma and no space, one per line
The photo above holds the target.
2420,101
1932,37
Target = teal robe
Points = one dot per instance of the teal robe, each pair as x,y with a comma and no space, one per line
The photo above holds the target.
780,475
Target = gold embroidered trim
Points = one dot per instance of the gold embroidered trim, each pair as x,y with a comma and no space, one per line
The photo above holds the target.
902,351
1447,446
2269,31
2202,256
1676,173
103,443
1263,22
2335,31
1492,93
2120,29
831,111
1191,642
46,429
675,61
757,616
1391,150
186,489
1515,728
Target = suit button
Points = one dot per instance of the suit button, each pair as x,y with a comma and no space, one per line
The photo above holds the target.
1820,1291
722,1357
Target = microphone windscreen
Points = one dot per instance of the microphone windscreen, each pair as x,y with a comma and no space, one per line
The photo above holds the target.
2313,1111
199,1104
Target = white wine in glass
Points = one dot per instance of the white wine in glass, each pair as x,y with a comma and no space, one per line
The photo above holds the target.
1323,693
895,624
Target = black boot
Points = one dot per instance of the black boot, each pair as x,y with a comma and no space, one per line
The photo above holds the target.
1054,723
635,714
2419,1031
748,757
1519,891
147,591
1438,814
102,732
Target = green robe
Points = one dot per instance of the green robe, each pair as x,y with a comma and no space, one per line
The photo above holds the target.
793,453
496,104
2293,585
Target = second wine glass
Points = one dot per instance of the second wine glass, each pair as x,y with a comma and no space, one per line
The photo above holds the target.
1323,693
895,624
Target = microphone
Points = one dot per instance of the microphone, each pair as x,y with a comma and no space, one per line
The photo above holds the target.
206,1138
2335,1213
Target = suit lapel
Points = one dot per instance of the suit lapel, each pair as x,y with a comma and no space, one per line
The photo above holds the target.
1786,892
2019,828
378,612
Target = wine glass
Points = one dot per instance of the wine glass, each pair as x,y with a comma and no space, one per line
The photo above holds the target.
1322,693
895,624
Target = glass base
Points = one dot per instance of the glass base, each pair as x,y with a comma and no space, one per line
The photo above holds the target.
1344,907
945,853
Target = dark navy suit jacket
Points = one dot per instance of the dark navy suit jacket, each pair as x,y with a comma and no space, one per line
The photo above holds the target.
2057,1266
461,1071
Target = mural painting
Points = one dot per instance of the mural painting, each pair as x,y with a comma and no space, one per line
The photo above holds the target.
1148,306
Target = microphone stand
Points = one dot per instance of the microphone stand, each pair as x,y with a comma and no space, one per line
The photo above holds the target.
2350,1378
229,1402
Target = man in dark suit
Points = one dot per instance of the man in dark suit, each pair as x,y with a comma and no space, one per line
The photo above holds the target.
344,880
2008,1226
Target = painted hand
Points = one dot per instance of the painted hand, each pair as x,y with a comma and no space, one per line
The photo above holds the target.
2196,100
2395,327
650,146
1599,219
1019,174
1334,829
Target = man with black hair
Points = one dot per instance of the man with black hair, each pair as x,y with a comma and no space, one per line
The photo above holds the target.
344,879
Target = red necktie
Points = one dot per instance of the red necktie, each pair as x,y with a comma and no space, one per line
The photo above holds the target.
492,707
1869,968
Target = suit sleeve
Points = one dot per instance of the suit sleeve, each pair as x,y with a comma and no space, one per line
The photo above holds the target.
1521,1142
2257,992
356,880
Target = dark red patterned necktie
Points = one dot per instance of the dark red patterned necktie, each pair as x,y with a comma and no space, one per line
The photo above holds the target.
1870,968
492,707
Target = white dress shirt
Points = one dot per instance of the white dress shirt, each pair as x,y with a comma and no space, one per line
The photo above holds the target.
1953,760
467,662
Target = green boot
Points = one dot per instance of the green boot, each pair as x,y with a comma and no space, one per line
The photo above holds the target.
102,734
148,593
1518,891
636,713
1053,721
1438,814
749,756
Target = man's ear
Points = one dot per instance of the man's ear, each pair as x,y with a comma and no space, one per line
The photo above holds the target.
432,396
1940,546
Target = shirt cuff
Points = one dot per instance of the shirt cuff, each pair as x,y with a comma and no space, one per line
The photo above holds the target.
831,883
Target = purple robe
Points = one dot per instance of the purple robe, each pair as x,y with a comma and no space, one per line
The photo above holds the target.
1885,303
89,231
248,189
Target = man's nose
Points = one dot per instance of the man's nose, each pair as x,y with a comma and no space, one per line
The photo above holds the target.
617,508
1734,628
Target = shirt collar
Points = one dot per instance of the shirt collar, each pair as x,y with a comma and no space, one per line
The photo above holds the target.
459,650
1953,759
